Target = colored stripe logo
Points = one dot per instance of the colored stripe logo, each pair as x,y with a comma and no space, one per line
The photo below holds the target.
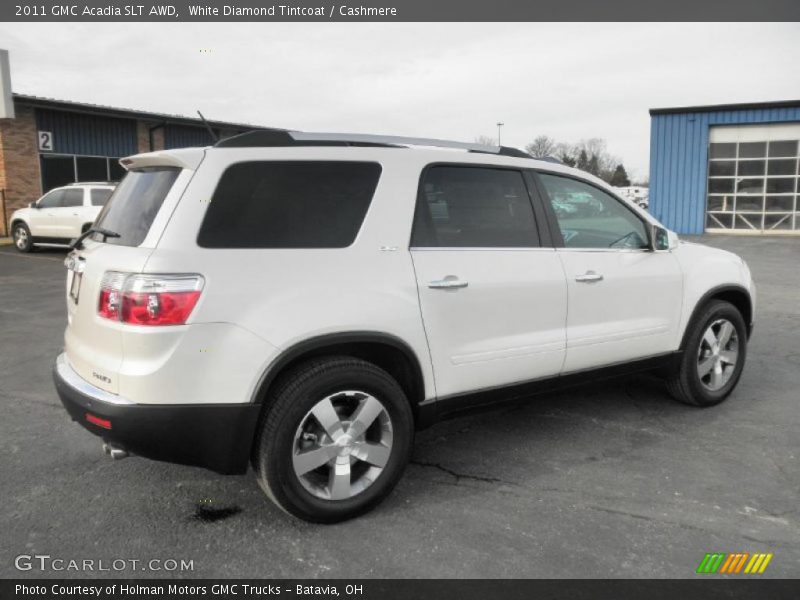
734,563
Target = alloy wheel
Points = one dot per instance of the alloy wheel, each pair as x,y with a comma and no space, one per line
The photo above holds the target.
342,445
21,238
718,354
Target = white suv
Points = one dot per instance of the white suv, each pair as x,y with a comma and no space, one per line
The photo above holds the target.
59,216
304,302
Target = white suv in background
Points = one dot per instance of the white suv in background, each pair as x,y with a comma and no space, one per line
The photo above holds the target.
61,215
303,302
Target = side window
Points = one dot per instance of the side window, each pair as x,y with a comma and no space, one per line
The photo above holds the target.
474,207
100,196
590,218
73,197
52,200
298,204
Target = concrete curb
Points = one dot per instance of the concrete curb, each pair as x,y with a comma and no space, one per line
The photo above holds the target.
6,241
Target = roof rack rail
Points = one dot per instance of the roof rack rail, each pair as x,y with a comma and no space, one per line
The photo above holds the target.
282,137
94,183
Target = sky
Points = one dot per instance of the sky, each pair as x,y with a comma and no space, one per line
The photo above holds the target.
570,81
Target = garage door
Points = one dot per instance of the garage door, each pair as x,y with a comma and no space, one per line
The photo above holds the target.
753,179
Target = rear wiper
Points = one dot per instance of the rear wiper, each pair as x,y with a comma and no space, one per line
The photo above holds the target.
106,233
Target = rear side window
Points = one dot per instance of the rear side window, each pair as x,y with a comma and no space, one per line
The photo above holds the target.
134,205
474,207
303,204
100,196
73,197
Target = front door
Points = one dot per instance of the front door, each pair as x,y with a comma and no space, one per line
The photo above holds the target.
493,301
43,220
624,300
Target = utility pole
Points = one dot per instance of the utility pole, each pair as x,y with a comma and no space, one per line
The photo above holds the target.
499,126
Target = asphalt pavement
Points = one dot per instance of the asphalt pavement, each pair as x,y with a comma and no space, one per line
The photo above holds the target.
611,480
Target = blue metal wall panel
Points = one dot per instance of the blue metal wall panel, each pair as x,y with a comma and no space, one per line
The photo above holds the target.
91,135
679,161
183,136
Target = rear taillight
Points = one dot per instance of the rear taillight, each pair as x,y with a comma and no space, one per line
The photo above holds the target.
149,299
111,295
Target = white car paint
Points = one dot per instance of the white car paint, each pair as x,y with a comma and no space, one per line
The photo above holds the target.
521,317
60,224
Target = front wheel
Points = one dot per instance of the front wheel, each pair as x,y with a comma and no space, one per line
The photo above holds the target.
22,238
713,356
336,438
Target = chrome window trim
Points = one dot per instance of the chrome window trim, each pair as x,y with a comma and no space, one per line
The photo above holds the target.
563,249
481,249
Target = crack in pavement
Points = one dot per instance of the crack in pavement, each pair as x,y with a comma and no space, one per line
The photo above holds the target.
686,526
456,474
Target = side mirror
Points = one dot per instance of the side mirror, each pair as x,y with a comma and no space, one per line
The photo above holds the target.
673,239
33,205
660,239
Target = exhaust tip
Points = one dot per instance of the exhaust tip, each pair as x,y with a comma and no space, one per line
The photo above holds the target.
115,452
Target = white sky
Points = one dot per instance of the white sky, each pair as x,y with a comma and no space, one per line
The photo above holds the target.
446,80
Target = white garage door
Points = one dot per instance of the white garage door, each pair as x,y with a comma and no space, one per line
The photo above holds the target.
753,179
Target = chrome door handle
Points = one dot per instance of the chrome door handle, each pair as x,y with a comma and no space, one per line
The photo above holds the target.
589,277
448,283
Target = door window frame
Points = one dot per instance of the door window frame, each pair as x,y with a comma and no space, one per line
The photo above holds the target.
552,219
539,216
54,191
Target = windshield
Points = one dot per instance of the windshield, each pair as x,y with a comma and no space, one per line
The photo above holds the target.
134,205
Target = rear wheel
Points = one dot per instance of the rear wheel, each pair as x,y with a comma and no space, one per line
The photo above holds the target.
22,237
335,440
713,357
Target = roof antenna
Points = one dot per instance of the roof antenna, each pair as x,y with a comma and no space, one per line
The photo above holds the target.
213,135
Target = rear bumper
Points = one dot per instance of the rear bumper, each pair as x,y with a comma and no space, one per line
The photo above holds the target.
214,436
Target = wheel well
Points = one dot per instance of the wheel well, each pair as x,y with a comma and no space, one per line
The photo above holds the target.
15,222
737,296
741,300
394,358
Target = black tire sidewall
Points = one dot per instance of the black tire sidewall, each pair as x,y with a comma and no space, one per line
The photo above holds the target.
717,310
281,478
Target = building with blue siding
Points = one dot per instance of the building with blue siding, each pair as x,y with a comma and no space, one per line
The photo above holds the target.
727,168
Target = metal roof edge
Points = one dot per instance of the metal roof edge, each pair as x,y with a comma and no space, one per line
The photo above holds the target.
725,107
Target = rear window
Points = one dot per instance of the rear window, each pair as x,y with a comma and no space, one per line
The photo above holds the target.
134,205
289,204
100,196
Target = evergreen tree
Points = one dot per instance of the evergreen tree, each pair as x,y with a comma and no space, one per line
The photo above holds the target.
620,177
594,166
583,161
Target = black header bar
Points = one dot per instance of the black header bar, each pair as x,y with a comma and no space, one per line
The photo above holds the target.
399,10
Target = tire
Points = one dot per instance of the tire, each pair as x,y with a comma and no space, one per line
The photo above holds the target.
292,439
22,237
693,383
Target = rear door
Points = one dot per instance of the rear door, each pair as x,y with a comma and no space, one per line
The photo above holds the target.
93,344
69,217
624,299
493,298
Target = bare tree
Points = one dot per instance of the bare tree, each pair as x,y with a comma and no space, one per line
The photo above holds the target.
567,154
541,146
485,140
